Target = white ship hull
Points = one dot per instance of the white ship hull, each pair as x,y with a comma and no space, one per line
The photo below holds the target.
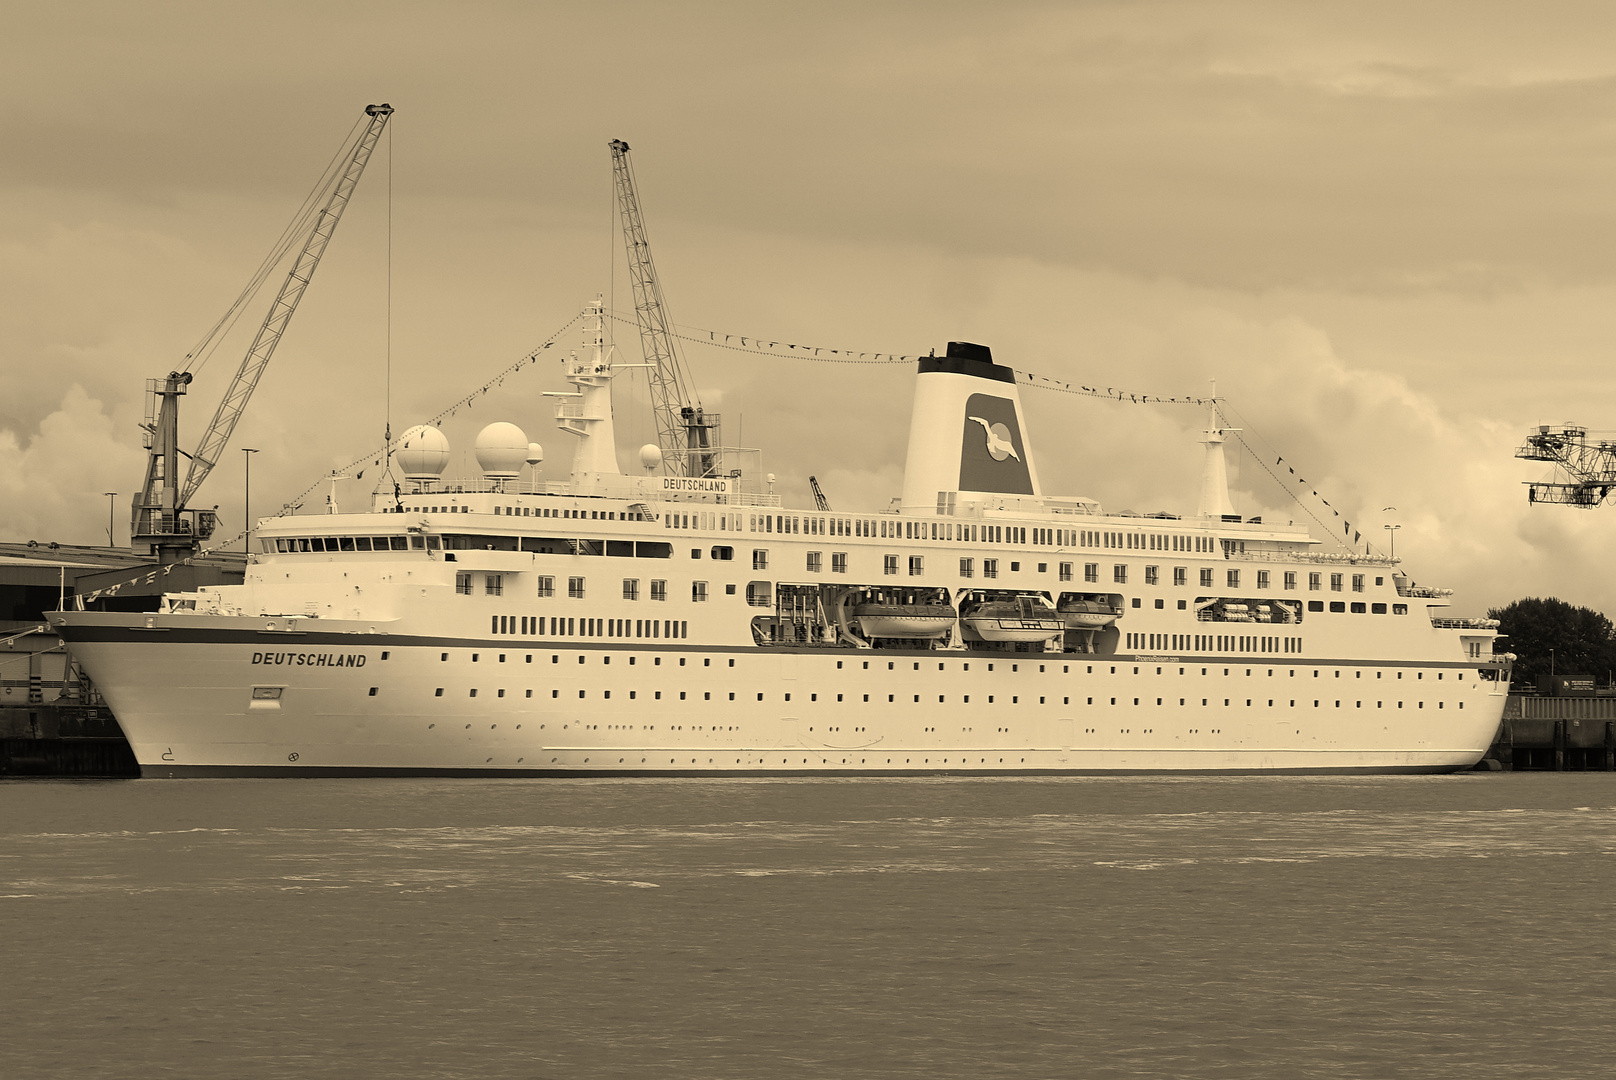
184,697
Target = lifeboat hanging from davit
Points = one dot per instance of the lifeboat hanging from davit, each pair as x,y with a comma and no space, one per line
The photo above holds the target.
1010,617
907,614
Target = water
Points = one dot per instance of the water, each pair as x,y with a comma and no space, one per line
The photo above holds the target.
1100,927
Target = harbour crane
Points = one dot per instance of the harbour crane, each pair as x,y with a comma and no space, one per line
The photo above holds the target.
686,433
822,503
1589,466
161,516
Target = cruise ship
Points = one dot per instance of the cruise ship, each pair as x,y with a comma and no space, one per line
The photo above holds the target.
682,621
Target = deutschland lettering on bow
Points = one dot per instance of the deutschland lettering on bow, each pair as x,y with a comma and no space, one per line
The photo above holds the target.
303,659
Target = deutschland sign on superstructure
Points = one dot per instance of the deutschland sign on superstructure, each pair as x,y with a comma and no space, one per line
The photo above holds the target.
619,624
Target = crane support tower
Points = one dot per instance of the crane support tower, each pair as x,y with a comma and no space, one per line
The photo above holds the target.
688,436
160,516
1589,466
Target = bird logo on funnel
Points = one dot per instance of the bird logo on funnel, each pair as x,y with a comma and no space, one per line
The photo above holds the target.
999,444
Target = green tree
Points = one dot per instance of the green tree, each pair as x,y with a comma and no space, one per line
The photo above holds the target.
1582,640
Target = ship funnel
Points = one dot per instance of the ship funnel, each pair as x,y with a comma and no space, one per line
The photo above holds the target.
967,430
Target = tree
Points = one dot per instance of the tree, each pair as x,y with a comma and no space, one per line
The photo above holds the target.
1576,641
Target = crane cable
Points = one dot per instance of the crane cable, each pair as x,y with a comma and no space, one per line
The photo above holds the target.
302,222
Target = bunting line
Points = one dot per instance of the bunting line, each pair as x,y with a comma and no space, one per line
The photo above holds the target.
759,346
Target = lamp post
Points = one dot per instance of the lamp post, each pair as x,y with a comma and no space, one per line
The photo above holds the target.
1393,530
246,496
112,497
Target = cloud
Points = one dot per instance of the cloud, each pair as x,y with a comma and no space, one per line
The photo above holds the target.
52,479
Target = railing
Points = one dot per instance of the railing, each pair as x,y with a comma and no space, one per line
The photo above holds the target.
1424,593
1312,557
1465,624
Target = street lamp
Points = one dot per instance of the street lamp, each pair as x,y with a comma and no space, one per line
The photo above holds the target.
1393,530
246,496
112,497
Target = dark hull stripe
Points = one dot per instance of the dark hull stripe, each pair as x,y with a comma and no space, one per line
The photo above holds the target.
174,772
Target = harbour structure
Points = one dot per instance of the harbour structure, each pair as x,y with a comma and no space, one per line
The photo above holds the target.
686,621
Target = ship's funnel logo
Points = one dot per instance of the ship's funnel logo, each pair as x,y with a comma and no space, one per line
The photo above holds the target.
999,444
993,456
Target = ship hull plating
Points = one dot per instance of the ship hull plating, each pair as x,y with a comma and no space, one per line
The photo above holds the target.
240,702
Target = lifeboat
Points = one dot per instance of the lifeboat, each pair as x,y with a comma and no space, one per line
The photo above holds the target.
912,621
1020,619
1085,613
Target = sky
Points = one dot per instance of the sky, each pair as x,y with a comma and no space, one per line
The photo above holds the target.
1386,231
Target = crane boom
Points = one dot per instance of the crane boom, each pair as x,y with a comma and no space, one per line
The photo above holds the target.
686,434
1589,466
819,496
280,313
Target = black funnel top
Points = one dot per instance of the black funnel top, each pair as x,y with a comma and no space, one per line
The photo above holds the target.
968,358
969,350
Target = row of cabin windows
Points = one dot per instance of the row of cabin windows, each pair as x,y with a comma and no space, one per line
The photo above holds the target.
1138,541
1251,643
561,626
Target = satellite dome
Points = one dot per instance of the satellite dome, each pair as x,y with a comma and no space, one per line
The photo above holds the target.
650,457
423,453
501,451
535,453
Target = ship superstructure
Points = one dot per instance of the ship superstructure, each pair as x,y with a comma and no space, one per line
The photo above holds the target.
686,623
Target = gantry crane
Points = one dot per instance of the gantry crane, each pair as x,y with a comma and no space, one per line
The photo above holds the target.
1588,464
160,516
687,435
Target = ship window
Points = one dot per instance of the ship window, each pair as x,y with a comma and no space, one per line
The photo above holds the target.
434,543
1066,571
1357,582
1091,571
631,588
917,565
494,584
1119,573
724,554
659,589
1358,607
967,567
1290,579
399,543
815,562
575,588
1337,606
1262,579
1399,609
1315,605
546,586
463,584
758,593
990,568
889,564
1233,577
1181,575
346,543
838,562
1150,575
760,559
698,592
1336,582
1206,577
1315,582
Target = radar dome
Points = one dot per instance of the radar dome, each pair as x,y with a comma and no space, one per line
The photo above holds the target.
501,451
423,453
650,457
535,453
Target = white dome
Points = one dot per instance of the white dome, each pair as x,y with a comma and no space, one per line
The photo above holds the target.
501,451
423,453
535,453
650,457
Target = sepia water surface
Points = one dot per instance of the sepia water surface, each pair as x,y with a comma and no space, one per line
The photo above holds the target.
1100,927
